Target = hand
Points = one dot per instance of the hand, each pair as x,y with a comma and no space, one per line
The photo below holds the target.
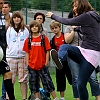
49,14
73,27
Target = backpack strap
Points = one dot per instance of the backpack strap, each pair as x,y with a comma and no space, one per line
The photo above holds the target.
29,41
43,41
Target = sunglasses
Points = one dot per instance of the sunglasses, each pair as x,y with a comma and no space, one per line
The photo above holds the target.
1,2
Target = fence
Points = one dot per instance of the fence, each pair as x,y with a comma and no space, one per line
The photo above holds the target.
59,7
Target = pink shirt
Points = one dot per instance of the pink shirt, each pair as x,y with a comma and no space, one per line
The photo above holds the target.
91,56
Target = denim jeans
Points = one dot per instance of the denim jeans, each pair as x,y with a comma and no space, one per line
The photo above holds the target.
3,91
85,68
92,80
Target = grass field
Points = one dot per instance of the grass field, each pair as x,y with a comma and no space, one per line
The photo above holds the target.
68,92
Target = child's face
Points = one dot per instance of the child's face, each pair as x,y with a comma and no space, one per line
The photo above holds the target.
39,19
56,29
17,20
35,29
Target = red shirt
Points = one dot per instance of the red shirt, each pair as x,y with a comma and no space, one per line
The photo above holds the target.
58,41
37,54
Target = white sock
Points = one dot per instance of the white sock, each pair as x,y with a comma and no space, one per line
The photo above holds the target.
37,99
56,98
62,98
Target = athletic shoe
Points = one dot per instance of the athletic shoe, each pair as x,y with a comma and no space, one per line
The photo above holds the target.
55,59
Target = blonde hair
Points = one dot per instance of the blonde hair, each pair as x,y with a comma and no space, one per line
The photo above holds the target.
54,24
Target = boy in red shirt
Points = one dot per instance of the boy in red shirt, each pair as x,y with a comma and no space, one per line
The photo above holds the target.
37,61
61,75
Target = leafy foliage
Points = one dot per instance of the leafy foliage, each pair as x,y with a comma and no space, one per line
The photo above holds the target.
58,5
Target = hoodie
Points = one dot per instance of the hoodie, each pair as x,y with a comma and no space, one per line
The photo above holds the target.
90,27
15,42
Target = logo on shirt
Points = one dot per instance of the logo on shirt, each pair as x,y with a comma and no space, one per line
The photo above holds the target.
36,43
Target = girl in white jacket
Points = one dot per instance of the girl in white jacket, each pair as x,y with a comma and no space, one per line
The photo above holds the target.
16,35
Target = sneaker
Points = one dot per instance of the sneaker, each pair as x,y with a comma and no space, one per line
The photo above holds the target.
55,59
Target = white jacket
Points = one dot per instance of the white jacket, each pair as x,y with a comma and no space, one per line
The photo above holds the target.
15,42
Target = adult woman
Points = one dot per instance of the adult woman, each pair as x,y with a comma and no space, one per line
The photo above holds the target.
73,37
88,54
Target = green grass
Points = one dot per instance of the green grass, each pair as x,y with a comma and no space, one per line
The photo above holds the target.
68,92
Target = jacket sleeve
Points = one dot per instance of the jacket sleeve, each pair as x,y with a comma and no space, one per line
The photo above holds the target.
8,36
81,20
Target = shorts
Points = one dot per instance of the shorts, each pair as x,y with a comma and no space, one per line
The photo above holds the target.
4,67
44,75
18,67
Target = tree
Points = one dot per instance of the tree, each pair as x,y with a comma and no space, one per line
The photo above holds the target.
53,4
16,4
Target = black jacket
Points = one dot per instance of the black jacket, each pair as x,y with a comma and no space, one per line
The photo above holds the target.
3,42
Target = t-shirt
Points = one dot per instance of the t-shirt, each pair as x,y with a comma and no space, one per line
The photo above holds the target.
58,41
76,39
37,54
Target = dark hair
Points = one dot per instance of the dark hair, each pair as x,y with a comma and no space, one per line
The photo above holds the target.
7,2
83,6
70,15
37,14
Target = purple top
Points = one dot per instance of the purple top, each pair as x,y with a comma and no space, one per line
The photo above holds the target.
90,27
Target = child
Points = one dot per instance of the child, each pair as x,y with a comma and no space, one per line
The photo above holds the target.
4,67
37,61
40,17
61,75
16,35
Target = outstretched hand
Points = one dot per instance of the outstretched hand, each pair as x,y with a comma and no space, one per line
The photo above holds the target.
49,14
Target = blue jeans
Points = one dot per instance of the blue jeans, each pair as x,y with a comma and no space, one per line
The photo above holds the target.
92,80
3,91
85,68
